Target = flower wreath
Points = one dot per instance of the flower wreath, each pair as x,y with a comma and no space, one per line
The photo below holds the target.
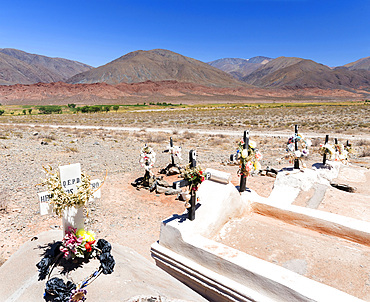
147,157
248,158
337,152
194,176
69,291
176,151
60,199
302,151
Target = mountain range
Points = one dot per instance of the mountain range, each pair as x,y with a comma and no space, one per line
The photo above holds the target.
156,65
240,68
166,73
19,67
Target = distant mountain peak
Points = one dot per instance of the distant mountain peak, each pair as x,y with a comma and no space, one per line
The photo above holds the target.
156,65
20,67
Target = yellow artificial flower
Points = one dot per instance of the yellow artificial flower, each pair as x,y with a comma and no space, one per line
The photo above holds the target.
252,144
87,236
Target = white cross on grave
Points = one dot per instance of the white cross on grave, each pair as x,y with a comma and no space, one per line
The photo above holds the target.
70,178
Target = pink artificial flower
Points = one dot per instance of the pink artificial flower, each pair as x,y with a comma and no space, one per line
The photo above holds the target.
258,155
249,166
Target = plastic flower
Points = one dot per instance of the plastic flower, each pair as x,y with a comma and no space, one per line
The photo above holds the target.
252,144
258,155
244,153
249,166
86,235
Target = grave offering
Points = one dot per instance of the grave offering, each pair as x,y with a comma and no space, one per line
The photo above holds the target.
193,177
68,191
147,161
249,158
336,151
174,151
297,149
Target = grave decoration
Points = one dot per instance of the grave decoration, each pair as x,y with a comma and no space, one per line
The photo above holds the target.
147,161
193,177
297,149
249,158
73,192
68,191
174,151
336,151
72,245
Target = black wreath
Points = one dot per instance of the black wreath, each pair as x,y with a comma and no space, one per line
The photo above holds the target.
56,289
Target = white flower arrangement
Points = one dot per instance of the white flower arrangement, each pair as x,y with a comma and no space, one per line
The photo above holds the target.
249,158
336,152
176,151
147,157
302,151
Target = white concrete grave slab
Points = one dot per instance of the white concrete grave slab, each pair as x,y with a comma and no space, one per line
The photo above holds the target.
186,249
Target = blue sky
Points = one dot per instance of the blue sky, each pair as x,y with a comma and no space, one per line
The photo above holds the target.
96,32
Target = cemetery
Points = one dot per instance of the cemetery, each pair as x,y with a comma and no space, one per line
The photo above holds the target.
299,232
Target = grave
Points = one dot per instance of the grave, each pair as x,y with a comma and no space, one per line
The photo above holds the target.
234,249
172,168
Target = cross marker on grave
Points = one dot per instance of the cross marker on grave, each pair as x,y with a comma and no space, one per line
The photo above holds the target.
184,183
172,158
296,160
324,156
243,178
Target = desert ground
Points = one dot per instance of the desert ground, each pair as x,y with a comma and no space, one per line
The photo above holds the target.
124,214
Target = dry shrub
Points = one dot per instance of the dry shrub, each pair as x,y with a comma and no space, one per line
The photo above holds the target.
188,135
156,138
72,149
316,142
364,152
362,142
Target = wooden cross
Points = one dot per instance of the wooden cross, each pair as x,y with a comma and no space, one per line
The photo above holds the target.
184,183
296,160
243,178
324,156
172,158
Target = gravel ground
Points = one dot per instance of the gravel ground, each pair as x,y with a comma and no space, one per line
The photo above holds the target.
124,214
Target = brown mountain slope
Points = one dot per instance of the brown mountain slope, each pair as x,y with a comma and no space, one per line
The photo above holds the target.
101,93
14,71
363,63
240,68
156,65
41,68
301,73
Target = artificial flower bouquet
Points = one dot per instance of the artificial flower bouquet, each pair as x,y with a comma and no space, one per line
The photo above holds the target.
147,157
336,152
302,152
78,244
248,158
194,176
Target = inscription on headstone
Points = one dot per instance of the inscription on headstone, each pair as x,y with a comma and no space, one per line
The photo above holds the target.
70,177
45,206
